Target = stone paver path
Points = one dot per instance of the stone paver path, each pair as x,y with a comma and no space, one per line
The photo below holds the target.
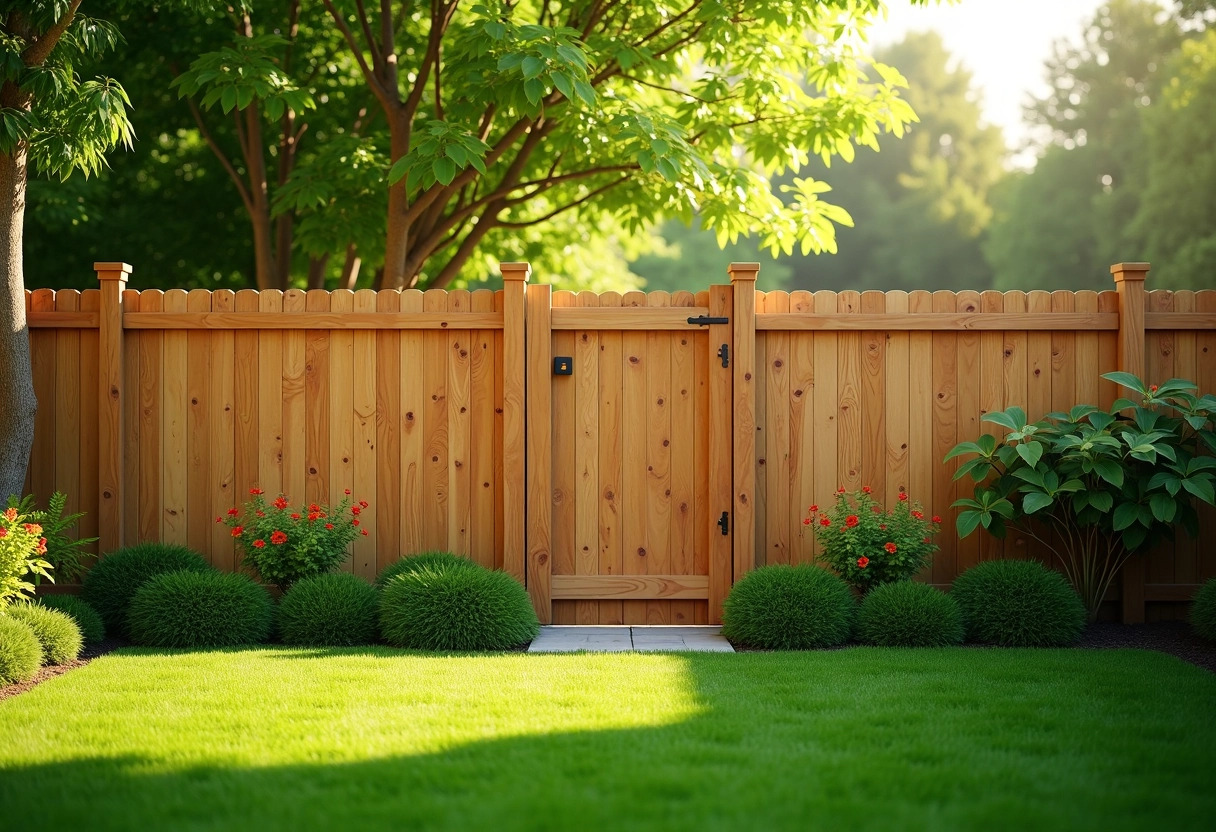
570,639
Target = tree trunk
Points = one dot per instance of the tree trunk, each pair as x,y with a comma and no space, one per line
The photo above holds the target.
17,401
316,271
350,269
396,244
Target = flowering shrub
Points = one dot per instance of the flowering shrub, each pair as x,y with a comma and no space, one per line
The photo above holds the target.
21,549
284,543
869,546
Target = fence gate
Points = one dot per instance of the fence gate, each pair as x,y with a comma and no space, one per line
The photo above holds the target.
629,479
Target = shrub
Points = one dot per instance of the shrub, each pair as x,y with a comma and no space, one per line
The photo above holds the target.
57,634
80,611
869,546
20,652
422,560
63,551
789,608
199,609
21,549
113,581
1018,603
333,610
456,609
1096,486
1203,611
909,614
286,544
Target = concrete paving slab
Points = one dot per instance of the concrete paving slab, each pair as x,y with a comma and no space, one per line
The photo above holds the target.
648,639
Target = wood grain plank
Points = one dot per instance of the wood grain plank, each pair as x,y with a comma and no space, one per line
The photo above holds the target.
658,458
267,321
848,415
294,405
460,427
366,440
339,387
415,501
1015,368
1186,550
719,453
941,322
222,423
873,407
199,517
151,425
586,456
945,436
684,447
483,367
435,429
68,385
827,404
43,352
967,418
317,417
611,552
633,455
385,518
174,406
540,448
90,371
617,587
565,421
896,393
802,433
991,400
921,463
777,456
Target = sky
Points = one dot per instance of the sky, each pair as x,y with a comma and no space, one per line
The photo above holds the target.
1003,42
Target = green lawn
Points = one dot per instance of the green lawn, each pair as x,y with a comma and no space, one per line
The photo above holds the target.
289,739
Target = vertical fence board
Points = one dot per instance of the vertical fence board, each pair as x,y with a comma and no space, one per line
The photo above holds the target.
174,460
415,501
611,430
199,344
802,432
90,372
246,369
483,364
294,404
848,414
827,398
537,319
1185,553
67,386
945,435
366,442
221,425
992,399
384,515
633,450
43,358
658,458
340,389
151,423
316,403
776,467
586,357
270,399
967,424
565,426
897,405
873,407
682,539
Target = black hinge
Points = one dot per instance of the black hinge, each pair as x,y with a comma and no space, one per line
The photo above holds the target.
724,354
706,320
724,523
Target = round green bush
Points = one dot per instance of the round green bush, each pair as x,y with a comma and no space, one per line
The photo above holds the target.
20,652
332,610
1018,603
456,609
422,560
909,614
111,584
1203,611
80,611
199,609
57,634
789,608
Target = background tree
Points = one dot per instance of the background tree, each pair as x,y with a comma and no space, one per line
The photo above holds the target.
53,120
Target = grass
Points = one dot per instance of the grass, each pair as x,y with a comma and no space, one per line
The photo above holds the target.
292,738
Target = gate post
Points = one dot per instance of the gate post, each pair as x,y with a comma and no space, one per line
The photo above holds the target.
113,279
1129,283
743,320
514,484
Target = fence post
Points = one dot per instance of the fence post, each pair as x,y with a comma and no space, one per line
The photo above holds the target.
110,532
539,346
1129,283
743,283
514,485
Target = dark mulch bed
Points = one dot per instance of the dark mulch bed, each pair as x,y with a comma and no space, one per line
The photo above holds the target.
86,655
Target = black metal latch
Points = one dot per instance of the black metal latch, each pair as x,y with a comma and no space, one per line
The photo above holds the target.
724,523
724,354
706,320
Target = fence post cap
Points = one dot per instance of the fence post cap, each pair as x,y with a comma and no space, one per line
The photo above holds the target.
515,271
1129,271
112,271
743,271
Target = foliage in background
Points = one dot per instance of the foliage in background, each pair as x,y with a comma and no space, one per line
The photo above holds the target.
909,614
200,609
789,608
285,543
113,581
63,551
868,545
21,549
57,632
1095,487
1018,603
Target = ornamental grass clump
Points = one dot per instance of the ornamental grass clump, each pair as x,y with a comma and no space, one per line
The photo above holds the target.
285,543
20,652
113,581
456,609
200,609
58,635
1203,611
332,610
80,611
868,545
1018,603
423,560
909,614
789,608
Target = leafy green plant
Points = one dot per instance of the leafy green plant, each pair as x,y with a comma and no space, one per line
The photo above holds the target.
21,548
113,581
20,652
909,614
285,544
1203,611
1095,487
422,560
789,608
1018,603
456,609
200,609
332,610
869,546
87,619
58,635
63,551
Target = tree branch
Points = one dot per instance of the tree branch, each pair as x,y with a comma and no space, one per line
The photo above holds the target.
606,187
368,74
365,24
467,246
219,154
38,51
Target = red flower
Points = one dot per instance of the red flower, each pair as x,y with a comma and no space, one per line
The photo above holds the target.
295,517
355,510
876,509
33,528
840,490
219,519
825,521
314,507
256,491
3,532
882,526
258,544
280,502
903,496
313,515
364,532
806,521
926,540
236,530
42,546
346,491
1152,388
10,514
278,537
865,489
355,522
890,547
937,519
329,525
918,515
813,508
363,503
851,520
863,562
261,513
232,512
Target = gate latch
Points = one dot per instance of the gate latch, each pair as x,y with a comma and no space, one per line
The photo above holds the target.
724,523
706,320
724,354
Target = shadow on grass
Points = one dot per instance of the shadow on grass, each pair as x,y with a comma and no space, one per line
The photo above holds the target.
858,739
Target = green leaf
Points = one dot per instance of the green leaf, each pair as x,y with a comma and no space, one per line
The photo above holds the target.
1163,507
1031,452
562,81
1110,471
977,468
1201,488
1127,380
1013,418
533,67
1125,515
1035,500
968,521
1134,538
585,92
444,170
1101,500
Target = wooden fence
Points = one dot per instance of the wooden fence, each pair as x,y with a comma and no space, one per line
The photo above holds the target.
160,410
